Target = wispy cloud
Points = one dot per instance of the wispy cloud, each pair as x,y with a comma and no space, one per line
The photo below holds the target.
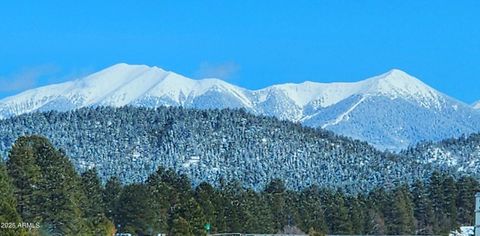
25,78
223,71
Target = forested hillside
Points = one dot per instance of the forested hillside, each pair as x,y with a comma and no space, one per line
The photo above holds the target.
461,155
209,145
39,185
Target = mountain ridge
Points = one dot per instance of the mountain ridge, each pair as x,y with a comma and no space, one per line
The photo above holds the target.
333,106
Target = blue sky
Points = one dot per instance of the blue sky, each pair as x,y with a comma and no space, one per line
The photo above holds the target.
249,43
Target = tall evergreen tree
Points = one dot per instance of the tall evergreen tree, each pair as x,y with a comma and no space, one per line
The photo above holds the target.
356,213
135,214
51,192
111,193
60,191
399,213
377,201
191,211
204,193
8,203
93,205
22,167
337,214
312,211
422,209
276,193
450,208
181,227
232,207
467,188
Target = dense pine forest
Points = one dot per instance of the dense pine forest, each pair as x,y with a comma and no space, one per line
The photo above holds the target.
210,145
40,185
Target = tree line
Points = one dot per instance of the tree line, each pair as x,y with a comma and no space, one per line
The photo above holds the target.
40,185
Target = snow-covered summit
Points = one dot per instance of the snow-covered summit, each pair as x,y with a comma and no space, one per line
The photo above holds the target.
362,110
397,83
393,84
118,85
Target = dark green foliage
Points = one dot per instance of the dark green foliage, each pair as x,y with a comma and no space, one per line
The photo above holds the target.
8,204
357,213
135,213
205,195
423,212
465,187
443,192
25,172
110,196
47,187
310,207
181,227
49,191
93,205
399,212
68,204
337,213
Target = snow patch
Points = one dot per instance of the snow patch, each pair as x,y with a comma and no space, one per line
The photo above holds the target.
343,116
464,231
193,160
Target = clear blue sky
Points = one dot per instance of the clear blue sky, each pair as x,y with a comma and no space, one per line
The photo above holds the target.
248,43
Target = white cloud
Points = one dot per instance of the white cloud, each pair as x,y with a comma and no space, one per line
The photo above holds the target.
26,78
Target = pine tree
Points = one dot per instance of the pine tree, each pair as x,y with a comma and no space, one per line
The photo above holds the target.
311,209
93,205
204,193
377,201
60,191
181,227
437,198
443,194
450,207
8,203
232,211
191,211
135,214
337,214
110,196
164,188
25,173
422,209
356,214
276,193
467,188
399,213
48,188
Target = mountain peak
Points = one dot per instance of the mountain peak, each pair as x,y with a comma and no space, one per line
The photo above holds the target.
397,83
125,68
396,75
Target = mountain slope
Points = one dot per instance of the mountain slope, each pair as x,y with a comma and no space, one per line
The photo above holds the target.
390,111
460,155
212,145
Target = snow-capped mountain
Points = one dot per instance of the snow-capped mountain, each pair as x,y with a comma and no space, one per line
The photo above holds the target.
390,111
